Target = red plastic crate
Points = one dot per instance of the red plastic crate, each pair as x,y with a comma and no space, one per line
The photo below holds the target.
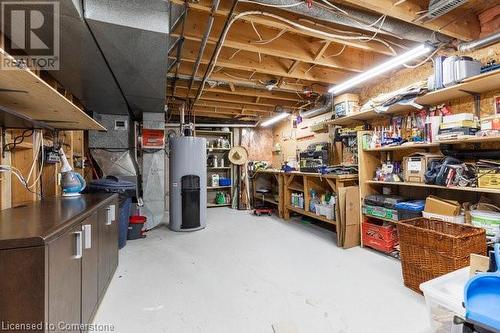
382,232
379,237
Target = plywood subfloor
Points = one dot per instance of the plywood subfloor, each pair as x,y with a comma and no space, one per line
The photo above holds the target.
257,274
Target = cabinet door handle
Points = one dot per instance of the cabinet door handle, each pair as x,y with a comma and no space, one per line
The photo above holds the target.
78,245
87,236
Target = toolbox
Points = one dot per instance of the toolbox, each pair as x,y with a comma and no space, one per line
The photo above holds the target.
401,211
387,201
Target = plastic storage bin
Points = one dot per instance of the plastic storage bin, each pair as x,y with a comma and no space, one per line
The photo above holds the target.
490,221
444,296
460,219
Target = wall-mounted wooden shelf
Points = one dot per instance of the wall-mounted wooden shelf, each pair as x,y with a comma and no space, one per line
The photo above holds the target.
454,188
477,85
462,140
29,96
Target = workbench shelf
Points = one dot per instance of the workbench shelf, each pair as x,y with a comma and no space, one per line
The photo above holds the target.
474,85
272,180
304,182
309,214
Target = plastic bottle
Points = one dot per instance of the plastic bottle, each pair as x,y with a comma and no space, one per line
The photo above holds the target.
313,202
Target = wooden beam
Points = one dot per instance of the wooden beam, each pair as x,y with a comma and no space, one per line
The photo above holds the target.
245,91
203,6
238,76
215,110
321,51
249,101
293,66
270,65
230,105
295,47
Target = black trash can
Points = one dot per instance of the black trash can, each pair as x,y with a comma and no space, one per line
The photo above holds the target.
190,192
126,191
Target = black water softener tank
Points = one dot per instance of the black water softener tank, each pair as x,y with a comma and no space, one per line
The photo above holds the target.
190,191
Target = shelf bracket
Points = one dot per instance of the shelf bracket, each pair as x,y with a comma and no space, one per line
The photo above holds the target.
3,141
477,101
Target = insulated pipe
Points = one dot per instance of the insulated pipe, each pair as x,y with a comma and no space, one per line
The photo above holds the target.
317,111
217,46
211,18
479,43
391,26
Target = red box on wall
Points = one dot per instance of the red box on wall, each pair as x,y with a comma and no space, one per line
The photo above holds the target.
153,138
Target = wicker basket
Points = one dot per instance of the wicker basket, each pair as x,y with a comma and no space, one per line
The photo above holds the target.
431,248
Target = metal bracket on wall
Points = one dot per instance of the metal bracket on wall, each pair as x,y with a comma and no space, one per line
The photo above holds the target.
477,101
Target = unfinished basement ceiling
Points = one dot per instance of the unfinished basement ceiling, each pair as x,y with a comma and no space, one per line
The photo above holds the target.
271,45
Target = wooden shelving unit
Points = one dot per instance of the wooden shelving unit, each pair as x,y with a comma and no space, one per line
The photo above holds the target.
226,170
475,85
30,97
370,159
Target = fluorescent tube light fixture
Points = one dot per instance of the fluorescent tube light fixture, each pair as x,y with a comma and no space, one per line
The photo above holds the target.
275,119
382,68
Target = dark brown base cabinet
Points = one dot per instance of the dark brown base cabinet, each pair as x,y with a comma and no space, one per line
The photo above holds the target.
56,264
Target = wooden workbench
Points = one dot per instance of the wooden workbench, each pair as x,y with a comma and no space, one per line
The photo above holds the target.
304,182
272,176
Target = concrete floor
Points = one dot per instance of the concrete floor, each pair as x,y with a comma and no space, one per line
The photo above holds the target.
257,274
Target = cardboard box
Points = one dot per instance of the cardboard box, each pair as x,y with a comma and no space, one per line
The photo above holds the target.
436,205
488,179
415,166
458,117
491,123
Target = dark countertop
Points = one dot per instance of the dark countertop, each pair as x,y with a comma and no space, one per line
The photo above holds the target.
37,223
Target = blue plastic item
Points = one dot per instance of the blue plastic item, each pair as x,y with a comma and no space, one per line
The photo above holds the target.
482,297
126,190
414,206
224,181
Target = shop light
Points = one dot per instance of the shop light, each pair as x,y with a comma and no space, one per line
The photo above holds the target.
275,119
382,68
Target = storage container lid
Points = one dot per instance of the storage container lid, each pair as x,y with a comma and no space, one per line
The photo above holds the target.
485,214
414,206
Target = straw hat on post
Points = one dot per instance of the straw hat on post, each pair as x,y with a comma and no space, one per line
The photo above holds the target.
238,155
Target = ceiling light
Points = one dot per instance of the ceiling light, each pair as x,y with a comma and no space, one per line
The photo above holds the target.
275,119
382,68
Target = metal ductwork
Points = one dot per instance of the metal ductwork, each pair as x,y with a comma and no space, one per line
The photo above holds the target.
391,26
133,37
327,107
113,54
479,43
